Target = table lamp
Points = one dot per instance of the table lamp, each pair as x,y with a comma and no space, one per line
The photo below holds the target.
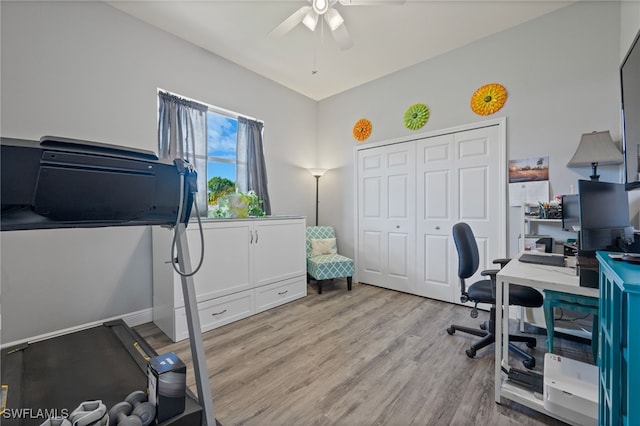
595,148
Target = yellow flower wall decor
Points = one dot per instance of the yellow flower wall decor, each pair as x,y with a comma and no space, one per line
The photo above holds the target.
416,116
488,99
362,129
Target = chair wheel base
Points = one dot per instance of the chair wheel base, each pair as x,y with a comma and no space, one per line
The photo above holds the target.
450,331
531,344
530,364
471,353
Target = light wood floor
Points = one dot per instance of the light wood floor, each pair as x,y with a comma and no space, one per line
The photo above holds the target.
367,357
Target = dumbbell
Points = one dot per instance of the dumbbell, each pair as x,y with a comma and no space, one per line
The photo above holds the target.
133,411
89,413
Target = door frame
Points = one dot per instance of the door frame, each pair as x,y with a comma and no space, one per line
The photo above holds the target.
501,122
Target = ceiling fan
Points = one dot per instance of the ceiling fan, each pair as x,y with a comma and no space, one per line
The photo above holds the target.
310,15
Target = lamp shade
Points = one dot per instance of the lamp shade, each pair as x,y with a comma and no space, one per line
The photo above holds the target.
317,172
596,147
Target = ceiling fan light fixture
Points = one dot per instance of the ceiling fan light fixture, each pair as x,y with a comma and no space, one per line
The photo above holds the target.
310,20
333,19
320,6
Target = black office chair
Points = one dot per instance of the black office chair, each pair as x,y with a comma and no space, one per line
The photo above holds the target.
484,292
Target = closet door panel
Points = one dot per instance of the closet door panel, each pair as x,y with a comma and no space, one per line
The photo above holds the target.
372,259
436,193
386,216
473,194
478,202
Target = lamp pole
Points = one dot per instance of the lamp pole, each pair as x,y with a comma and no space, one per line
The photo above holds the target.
317,198
317,173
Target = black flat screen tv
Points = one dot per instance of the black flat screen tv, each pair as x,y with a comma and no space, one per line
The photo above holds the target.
630,91
604,216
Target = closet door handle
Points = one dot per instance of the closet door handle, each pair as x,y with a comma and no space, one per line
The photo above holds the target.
256,237
250,237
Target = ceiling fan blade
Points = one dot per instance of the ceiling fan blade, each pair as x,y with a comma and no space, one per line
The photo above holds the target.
342,37
333,19
369,2
289,23
310,20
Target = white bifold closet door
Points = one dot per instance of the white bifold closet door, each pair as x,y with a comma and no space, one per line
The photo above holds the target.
386,223
459,179
410,194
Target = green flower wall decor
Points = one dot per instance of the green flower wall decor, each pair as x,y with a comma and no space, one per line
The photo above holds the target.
416,116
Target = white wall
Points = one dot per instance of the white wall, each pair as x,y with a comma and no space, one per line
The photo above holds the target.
561,73
85,70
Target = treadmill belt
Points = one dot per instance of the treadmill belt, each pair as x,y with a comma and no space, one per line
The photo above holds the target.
95,355
57,374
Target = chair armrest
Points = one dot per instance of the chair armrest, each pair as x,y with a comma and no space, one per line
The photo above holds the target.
502,261
490,272
492,275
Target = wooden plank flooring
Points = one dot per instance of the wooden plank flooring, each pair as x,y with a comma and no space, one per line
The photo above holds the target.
367,357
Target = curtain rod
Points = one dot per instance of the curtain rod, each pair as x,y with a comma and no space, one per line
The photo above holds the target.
223,111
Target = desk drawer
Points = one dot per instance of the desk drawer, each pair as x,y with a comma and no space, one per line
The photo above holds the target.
272,295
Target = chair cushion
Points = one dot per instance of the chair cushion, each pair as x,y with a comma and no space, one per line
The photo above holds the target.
327,266
518,295
323,246
317,232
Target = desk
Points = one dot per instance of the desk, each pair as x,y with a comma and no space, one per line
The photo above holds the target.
541,277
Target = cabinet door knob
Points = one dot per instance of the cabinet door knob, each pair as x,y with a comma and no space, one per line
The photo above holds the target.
251,237
397,226
256,237
437,227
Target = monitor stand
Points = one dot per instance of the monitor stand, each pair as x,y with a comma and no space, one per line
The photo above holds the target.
588,269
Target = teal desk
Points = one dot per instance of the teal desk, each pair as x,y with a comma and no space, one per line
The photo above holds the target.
575,302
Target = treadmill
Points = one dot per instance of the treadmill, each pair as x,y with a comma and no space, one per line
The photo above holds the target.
66,183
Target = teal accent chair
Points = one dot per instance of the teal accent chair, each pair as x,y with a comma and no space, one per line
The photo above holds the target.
322,267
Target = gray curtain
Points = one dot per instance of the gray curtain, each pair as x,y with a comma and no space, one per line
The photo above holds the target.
182,133
251,169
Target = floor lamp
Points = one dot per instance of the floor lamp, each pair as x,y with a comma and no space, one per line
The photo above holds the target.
317,173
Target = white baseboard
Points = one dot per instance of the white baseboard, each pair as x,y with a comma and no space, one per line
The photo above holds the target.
131,319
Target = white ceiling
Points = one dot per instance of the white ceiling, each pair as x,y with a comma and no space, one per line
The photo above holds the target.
387,38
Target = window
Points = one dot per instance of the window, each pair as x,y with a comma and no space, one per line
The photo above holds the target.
222,136
225,147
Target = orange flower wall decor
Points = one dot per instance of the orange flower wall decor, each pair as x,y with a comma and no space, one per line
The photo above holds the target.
362,129
488,99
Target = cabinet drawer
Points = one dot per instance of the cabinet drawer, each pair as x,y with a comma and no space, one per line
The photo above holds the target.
272,295
217,312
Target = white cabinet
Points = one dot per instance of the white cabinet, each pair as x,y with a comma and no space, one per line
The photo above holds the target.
250,265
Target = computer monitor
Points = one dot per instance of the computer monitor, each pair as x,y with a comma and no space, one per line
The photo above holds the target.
570,212
604,216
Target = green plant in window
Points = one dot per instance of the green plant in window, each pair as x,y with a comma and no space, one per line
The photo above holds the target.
218,187
238,205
